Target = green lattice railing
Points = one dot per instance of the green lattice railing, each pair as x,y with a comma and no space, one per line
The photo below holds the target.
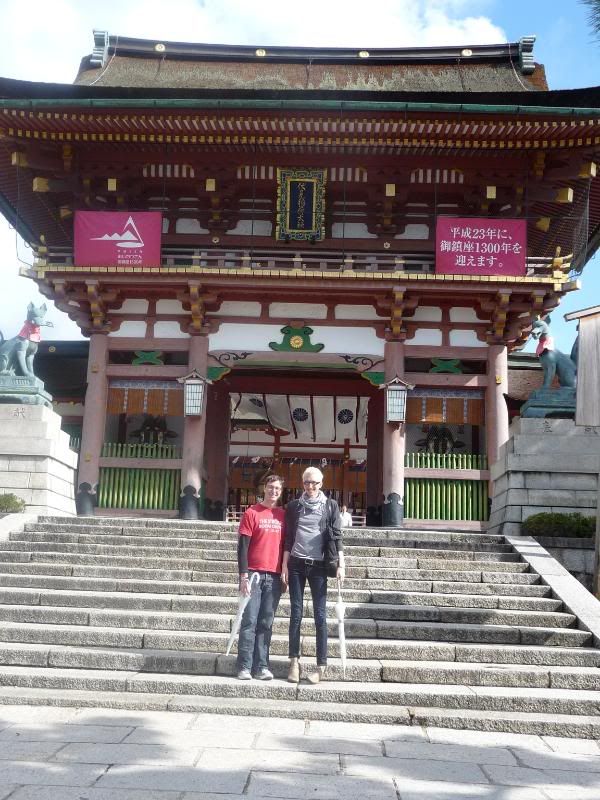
445,461
440,498
133,450
127,487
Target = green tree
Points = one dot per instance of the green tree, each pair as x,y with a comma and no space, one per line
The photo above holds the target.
593,16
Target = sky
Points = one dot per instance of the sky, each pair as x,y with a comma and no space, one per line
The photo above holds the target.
44,40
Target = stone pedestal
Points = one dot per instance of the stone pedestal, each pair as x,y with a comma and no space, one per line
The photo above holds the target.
547,465
23,389
36,463
550,403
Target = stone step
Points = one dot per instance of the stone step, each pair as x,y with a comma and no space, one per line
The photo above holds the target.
481,698
178,662
367,558
357,648
483,633
464,600
138,522
141,539
438,630
226,603
490,674
352,587
183,613
191,528
357,568
539,724
367,671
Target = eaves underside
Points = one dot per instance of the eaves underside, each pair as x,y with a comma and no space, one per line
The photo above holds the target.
352,278
499,131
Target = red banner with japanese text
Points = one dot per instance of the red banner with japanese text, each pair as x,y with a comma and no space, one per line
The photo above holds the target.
480,246
117,238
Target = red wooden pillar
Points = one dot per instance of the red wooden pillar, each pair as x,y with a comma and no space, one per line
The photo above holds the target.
216,448
374,459
496,412
94,422
393,447
193,438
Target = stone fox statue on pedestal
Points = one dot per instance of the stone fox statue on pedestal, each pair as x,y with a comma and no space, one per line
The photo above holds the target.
553,361
16,354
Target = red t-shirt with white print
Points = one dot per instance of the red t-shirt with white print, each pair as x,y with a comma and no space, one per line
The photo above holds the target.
265,527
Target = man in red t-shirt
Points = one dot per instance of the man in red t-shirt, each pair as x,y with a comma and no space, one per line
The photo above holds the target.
260,549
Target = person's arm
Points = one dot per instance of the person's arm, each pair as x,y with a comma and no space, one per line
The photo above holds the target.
336,532
245,534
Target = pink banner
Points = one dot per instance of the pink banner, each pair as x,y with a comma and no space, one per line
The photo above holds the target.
480,246
117,238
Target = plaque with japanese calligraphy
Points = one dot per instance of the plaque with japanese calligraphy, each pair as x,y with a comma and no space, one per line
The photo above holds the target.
480,246
300,204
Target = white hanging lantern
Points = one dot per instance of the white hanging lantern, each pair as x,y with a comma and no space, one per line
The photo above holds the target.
396,392
194,390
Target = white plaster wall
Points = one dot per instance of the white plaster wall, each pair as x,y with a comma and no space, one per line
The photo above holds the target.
427,314
237,308
414,230
343,339
459,314
465,339
130,328
133,306
351,230
262,227
298,310
354,341
169,330
357,312
430,336
233,336
170,307
189,225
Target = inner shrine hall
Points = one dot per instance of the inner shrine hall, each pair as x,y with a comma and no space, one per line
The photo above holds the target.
286,257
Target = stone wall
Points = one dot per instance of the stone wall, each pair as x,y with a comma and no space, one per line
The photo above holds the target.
576,555
36,463
547,465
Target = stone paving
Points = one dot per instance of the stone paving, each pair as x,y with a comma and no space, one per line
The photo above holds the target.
108,754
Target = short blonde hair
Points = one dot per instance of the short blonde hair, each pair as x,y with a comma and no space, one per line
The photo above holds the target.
314,471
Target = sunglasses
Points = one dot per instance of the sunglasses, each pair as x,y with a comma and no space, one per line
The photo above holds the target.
311,483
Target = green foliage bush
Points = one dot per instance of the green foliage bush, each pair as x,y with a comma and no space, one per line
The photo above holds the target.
554,524
11,504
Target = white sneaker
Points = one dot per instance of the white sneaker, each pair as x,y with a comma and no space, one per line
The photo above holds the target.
244,675
264,675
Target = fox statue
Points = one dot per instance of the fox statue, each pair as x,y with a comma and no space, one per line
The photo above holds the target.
17,354
553,361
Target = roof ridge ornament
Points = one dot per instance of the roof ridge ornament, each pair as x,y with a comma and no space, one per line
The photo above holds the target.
100,51
526,61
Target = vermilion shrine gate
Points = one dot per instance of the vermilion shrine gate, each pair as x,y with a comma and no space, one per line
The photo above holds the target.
272,229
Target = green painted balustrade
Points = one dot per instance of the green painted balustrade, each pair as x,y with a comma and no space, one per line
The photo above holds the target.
130,487
135,450
445,461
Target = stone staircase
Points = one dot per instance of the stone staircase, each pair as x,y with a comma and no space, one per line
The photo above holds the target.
446,629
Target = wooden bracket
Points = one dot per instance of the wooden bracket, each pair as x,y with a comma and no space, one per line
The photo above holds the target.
396,331
499,317
98,300
195,300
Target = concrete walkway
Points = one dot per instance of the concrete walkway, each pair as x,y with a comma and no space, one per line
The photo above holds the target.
104,754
